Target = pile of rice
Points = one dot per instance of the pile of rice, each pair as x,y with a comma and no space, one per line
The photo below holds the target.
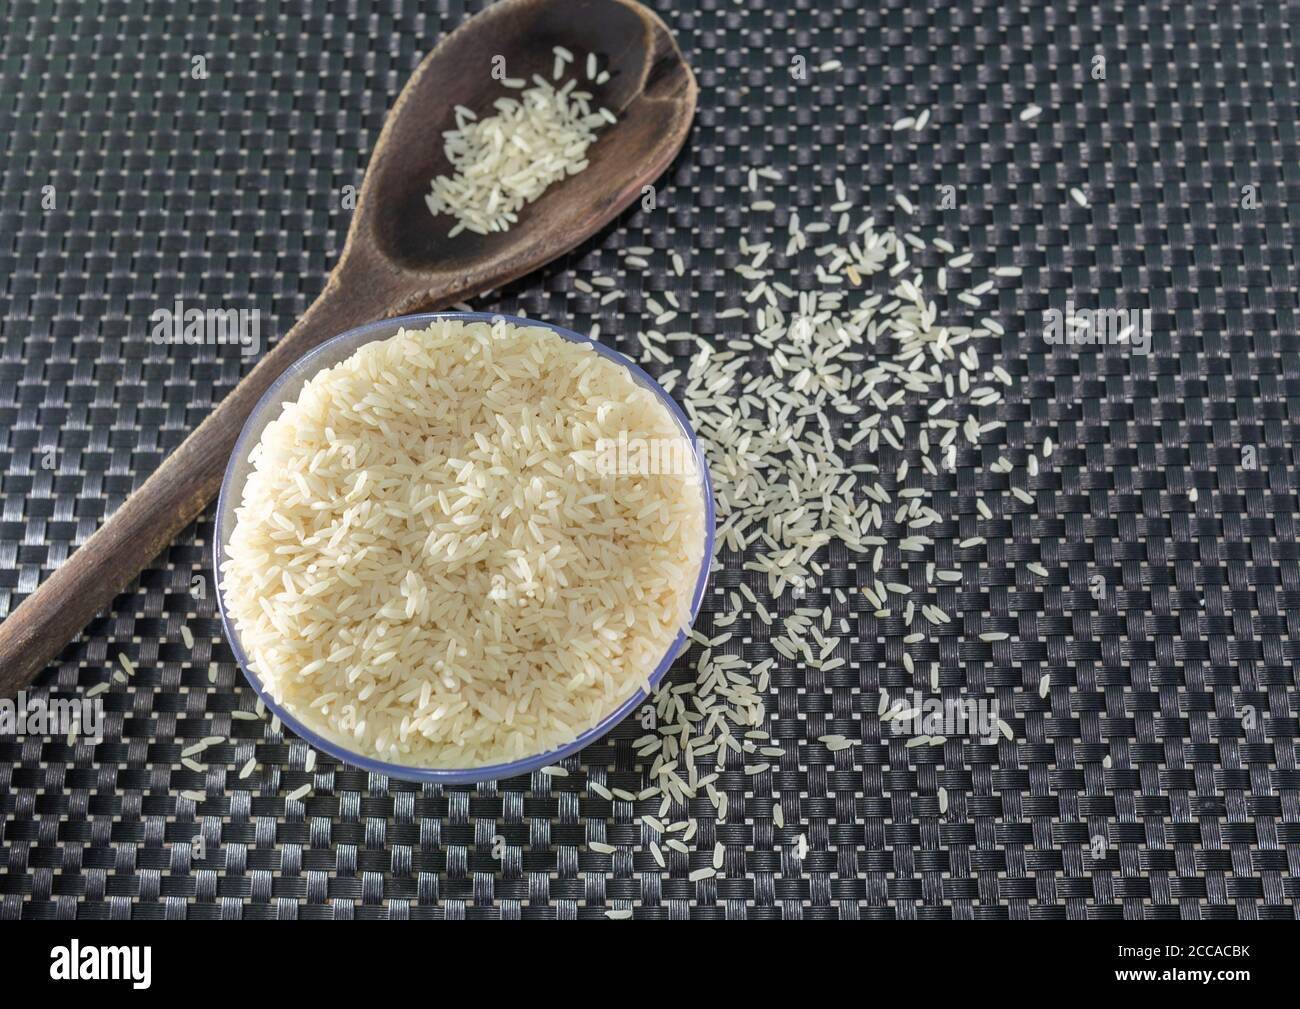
506,161
431,565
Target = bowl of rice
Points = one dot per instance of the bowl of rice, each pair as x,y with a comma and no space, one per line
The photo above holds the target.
458,547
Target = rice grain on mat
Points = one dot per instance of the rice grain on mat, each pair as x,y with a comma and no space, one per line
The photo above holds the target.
441,560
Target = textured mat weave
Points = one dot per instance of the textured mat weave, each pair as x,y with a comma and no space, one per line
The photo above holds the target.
1156,779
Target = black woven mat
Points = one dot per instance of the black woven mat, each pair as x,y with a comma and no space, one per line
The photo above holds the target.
1157,779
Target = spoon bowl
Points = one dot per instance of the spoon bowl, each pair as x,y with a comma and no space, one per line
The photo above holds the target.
650,89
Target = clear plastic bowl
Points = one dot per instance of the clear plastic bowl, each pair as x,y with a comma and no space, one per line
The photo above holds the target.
286,388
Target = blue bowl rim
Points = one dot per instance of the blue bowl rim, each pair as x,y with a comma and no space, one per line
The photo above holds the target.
490,772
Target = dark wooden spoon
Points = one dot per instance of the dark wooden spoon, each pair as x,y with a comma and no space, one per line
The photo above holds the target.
397,259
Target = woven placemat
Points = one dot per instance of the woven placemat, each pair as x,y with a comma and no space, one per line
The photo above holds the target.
204,154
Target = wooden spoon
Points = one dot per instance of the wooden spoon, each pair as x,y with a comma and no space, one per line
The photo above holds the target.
398,259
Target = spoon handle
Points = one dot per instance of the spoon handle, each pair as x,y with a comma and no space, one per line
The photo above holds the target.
173,496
